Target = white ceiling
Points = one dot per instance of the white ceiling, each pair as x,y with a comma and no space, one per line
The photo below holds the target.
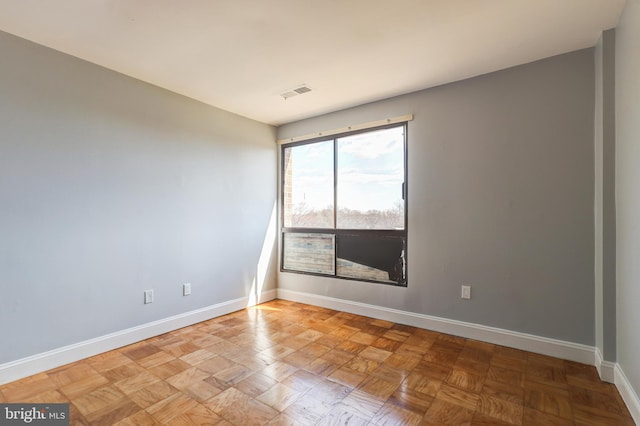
239,55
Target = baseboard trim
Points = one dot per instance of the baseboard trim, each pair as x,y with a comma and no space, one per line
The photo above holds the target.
627,392
606,369
38,363
265,296
528,342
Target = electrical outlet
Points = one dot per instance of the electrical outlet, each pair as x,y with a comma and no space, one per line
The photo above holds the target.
466,292
186,289
148,296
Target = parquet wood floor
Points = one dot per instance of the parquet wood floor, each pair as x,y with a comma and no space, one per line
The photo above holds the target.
285,363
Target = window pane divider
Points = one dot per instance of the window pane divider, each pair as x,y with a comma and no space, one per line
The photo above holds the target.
341,231
365,253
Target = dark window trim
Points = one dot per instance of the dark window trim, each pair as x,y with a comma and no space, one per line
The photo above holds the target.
341,231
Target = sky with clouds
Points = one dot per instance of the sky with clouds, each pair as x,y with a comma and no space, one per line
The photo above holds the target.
370,171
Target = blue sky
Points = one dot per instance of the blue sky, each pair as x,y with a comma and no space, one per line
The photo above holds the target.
370,171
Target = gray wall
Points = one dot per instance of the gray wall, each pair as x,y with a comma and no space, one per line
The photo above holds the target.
110,186
628,191
605,203
501,197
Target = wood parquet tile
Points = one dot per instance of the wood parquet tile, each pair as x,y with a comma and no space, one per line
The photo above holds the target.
286,363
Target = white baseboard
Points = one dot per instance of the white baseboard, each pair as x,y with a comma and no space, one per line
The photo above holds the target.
265,296
628,394
606,369
34,364
528,342
610,372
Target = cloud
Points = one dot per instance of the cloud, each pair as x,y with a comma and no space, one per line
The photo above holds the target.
310,181
371,146
394,176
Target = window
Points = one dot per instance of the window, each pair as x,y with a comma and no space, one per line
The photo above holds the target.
344,206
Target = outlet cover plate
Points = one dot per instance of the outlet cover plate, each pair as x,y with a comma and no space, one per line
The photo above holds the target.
466,292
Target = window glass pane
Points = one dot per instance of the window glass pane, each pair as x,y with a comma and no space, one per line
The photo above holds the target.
376,258
370,174
308,185
309,253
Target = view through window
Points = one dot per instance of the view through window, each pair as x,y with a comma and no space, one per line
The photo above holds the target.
344,206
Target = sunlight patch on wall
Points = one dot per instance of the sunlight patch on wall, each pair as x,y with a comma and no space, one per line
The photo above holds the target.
264,261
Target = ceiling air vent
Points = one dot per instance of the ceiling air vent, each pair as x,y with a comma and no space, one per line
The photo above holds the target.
302,89
295,92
